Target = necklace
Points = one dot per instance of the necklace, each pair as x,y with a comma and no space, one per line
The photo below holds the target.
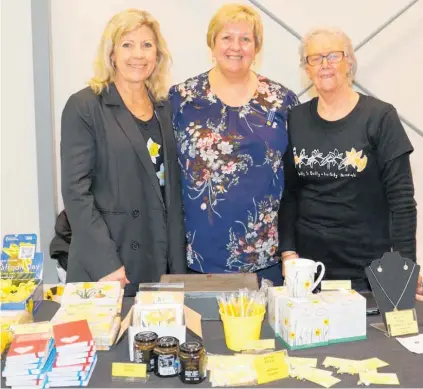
402,294
143,115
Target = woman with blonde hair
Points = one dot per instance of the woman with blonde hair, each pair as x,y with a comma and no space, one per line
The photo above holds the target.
230,126
349,196
120,178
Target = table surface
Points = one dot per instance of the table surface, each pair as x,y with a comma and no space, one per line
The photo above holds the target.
406,365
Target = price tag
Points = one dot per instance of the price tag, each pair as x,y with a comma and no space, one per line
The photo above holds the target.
335,284
129,370
271,367
402,322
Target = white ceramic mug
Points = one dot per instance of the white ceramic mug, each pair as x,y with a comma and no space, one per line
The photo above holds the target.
299,276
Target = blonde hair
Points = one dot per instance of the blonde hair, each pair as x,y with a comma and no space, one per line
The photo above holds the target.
235,13
348,47
120,24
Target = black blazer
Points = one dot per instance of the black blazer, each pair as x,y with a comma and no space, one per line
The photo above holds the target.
112,196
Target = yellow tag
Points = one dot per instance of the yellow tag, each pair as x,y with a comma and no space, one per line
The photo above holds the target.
270,367
338,362
137,370
402,322
261,344
299,361
336,284
378,378
373,363
318,376
324,380
32,328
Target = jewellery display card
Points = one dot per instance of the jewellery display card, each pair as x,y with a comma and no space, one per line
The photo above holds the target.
393,280
402,322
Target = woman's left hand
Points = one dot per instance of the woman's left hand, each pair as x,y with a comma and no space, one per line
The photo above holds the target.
419,291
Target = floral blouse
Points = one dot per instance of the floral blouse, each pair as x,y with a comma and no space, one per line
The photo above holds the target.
232,173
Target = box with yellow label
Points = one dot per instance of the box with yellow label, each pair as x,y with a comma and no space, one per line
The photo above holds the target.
321,319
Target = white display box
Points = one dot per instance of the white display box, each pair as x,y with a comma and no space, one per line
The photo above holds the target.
320,319
273,294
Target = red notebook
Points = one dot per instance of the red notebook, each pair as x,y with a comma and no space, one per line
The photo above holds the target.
71,335
26,347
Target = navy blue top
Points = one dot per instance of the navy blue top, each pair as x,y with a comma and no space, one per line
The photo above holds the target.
232,173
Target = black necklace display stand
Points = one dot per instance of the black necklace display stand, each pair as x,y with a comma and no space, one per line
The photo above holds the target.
397,277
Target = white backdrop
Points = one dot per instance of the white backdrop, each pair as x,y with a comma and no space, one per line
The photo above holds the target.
390,65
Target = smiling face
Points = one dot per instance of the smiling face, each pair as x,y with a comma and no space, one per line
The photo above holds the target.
327,77
135,55
235,48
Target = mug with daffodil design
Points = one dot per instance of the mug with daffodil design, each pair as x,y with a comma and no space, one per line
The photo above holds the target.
299,276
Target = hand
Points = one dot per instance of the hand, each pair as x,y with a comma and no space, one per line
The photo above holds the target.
419,291
117,275
285,256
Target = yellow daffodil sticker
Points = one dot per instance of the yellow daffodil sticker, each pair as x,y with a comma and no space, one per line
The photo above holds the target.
290,304
326,322
285,322
307,284
317,332
355,159
153,149
292,335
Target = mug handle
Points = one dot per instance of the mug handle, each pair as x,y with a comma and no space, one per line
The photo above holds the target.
321,275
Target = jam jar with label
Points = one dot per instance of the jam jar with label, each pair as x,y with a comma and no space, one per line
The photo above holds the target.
192,359
144,344
166,355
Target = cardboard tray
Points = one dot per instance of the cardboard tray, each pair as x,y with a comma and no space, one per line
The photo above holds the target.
201,289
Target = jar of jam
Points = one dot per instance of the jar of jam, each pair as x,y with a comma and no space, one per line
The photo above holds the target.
144,344
166,355
192,359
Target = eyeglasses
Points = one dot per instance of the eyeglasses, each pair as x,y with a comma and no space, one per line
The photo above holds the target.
332,57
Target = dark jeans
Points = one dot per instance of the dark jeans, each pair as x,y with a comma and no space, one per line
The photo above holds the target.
272,273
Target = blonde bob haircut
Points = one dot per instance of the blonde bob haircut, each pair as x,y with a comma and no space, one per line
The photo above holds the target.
230,13
336,33
119,25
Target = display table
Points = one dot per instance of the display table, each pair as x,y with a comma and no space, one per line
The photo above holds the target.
406,365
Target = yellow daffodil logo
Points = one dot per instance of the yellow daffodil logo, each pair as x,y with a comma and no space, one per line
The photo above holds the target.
317,332
292,335
307,284
290,304
315,301
355,159
285,322
326,322
153,149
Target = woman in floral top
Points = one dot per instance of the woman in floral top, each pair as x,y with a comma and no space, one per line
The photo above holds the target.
230,127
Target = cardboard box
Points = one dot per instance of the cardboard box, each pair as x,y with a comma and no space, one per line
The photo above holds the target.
166,296
20,263
201,289
321,319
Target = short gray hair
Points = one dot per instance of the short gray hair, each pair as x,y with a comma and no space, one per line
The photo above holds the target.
348,47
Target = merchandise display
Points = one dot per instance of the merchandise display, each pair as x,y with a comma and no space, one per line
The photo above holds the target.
64,349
